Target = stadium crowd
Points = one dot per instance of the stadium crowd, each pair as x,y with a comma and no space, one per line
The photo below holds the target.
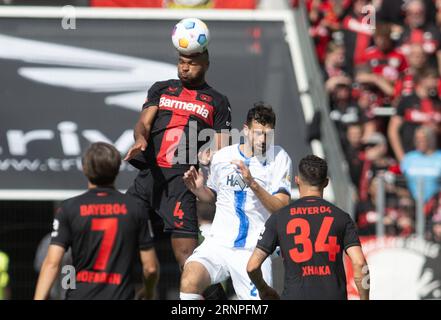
381,62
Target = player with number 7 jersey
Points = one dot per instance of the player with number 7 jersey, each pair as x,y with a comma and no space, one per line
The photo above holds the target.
108,232
312,234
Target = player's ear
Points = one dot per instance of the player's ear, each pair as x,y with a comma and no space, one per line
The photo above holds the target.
246,129
297,180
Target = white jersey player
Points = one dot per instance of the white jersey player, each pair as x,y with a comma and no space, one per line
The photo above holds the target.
248,182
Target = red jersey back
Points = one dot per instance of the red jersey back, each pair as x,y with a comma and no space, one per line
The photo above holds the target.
106,230
312,234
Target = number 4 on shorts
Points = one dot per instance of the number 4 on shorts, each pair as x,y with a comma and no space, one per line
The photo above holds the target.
178,211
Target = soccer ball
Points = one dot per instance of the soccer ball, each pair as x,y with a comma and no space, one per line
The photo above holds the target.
190,36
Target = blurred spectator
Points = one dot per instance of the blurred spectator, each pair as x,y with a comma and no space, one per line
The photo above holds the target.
438,12
366,214
417,60
435,221
333,68
372,91
366,159
378,68
393,11
4,276
375,160
377,84
344,111
366,99
324,16
357,34
383,59
421,107
424,163
418,30
397,219
353,148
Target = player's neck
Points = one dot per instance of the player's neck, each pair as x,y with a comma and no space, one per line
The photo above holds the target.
247,150
198,84
94,186
311,193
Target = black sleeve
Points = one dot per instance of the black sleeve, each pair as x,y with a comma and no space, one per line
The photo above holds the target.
437,38
145,232
268,239
401,107
350,237
61,232
154,94
222,116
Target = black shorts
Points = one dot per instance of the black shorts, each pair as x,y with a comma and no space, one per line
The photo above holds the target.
163,191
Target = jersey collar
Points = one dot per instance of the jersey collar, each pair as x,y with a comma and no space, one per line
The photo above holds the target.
262,161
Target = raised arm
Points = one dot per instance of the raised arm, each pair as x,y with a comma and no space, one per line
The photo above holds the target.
195,182
272,203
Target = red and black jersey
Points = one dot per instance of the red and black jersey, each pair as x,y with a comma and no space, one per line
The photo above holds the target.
428,36
183,113
389,65
106,230
357,38
312,234
415,112
321,28
405,86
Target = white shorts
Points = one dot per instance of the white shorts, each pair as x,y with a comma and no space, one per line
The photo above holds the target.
222,263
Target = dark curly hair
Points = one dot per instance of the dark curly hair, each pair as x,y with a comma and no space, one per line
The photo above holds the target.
313,170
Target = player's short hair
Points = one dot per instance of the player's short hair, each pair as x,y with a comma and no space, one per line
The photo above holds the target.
101,163
203,55
313,170
262,113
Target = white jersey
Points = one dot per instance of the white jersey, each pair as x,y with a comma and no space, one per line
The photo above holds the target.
240,216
